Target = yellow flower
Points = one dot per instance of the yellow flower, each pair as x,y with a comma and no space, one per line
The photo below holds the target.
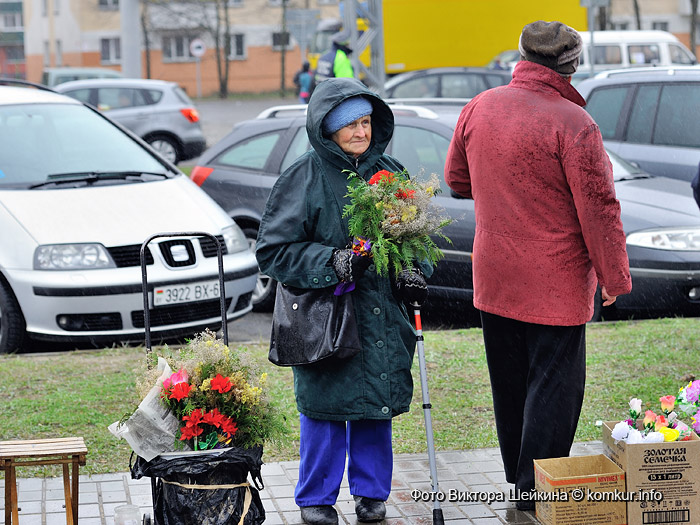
210,343
263,379
409,214
670,434
206,385
379,205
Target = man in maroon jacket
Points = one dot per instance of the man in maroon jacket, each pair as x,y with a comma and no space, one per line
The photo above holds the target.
548,231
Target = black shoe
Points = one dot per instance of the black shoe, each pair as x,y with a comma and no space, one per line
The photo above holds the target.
319,515
369,510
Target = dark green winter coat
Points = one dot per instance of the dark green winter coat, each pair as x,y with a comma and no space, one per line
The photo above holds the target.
300,228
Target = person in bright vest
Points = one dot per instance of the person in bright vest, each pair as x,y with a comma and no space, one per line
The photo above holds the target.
336,62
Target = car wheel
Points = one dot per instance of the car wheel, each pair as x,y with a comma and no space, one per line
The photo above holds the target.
12,325
264,292
166,146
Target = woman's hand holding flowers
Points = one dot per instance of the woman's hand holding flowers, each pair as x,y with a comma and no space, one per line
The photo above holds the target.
349,266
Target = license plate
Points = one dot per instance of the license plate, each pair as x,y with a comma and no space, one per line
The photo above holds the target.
185,293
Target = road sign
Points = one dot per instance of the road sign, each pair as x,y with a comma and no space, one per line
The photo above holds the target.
197,47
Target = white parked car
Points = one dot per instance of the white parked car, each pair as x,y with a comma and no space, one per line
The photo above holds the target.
78,197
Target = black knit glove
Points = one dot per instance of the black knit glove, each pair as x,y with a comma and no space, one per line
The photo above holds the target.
411,287
348,266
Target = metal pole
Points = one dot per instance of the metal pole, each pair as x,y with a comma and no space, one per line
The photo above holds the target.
438,518
199,77
591,29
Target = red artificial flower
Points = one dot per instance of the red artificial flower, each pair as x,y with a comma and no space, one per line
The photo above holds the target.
190,432
401,194
228,426
194,418
214,418
180,391
221,384
382,175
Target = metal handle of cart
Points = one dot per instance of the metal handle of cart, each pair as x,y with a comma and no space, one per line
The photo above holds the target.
144,281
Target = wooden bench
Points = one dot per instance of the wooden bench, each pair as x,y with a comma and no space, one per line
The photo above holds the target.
59,451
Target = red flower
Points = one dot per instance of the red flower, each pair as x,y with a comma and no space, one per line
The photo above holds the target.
190,432
221,383
382,175
194,418
228,426
180,391
402,194
214,418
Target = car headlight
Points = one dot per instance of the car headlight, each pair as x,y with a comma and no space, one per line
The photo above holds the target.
677,239
72,257
234,239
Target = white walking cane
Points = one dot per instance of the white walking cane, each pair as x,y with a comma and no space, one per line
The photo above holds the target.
438,518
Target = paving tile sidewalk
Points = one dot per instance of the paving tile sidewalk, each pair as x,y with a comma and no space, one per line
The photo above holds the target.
473,473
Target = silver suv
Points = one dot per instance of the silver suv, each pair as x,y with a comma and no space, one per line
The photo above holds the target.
159,112
649,117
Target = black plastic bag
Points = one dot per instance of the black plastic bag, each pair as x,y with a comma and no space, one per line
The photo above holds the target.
196,489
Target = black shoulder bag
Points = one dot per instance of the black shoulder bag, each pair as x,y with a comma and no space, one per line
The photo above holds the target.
309,325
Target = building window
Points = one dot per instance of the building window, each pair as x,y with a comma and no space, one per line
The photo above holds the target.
44,7
235,3
108,5
620,26
14,53
662,26
177,49
280,40
110,51
47,54
274,3
238,51
327,2
12,22
56,6
59,53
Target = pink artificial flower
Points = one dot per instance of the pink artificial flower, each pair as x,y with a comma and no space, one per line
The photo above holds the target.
660,422
667,403
649,419
178,377
692,392
696,421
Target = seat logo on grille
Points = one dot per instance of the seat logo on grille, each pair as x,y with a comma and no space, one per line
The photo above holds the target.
179,253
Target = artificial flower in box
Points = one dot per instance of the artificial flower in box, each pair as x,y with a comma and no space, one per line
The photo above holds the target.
391,218
665,426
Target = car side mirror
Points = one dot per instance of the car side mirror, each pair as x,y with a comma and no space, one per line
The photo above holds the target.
456,195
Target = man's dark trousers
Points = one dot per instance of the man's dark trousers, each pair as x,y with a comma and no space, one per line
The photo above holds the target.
538,376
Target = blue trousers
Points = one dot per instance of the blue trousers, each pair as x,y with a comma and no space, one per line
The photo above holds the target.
323,446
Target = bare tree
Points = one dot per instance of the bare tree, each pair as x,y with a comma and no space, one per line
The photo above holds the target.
204,17
693,26
637,14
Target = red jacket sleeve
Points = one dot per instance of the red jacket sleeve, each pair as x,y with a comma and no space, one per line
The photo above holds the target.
456,166
589,173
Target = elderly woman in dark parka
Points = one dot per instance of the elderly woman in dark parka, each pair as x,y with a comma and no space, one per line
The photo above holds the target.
346,406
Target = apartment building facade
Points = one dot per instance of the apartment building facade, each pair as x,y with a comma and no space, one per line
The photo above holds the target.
11,39
88,33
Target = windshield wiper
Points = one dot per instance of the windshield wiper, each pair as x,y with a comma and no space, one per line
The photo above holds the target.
634,176
90,177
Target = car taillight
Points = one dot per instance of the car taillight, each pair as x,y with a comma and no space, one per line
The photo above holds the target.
190,114
199,174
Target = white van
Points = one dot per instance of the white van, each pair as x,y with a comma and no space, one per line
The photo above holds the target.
619,49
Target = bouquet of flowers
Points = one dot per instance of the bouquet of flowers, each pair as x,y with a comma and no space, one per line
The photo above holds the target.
215,394
391,218
666,426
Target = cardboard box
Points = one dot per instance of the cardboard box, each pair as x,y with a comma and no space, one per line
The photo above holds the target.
579,490
667,474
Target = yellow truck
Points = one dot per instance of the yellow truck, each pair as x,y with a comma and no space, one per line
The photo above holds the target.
420,34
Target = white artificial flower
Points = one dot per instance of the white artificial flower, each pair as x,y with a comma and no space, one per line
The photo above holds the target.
621,431
634,437
654,437
636,405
